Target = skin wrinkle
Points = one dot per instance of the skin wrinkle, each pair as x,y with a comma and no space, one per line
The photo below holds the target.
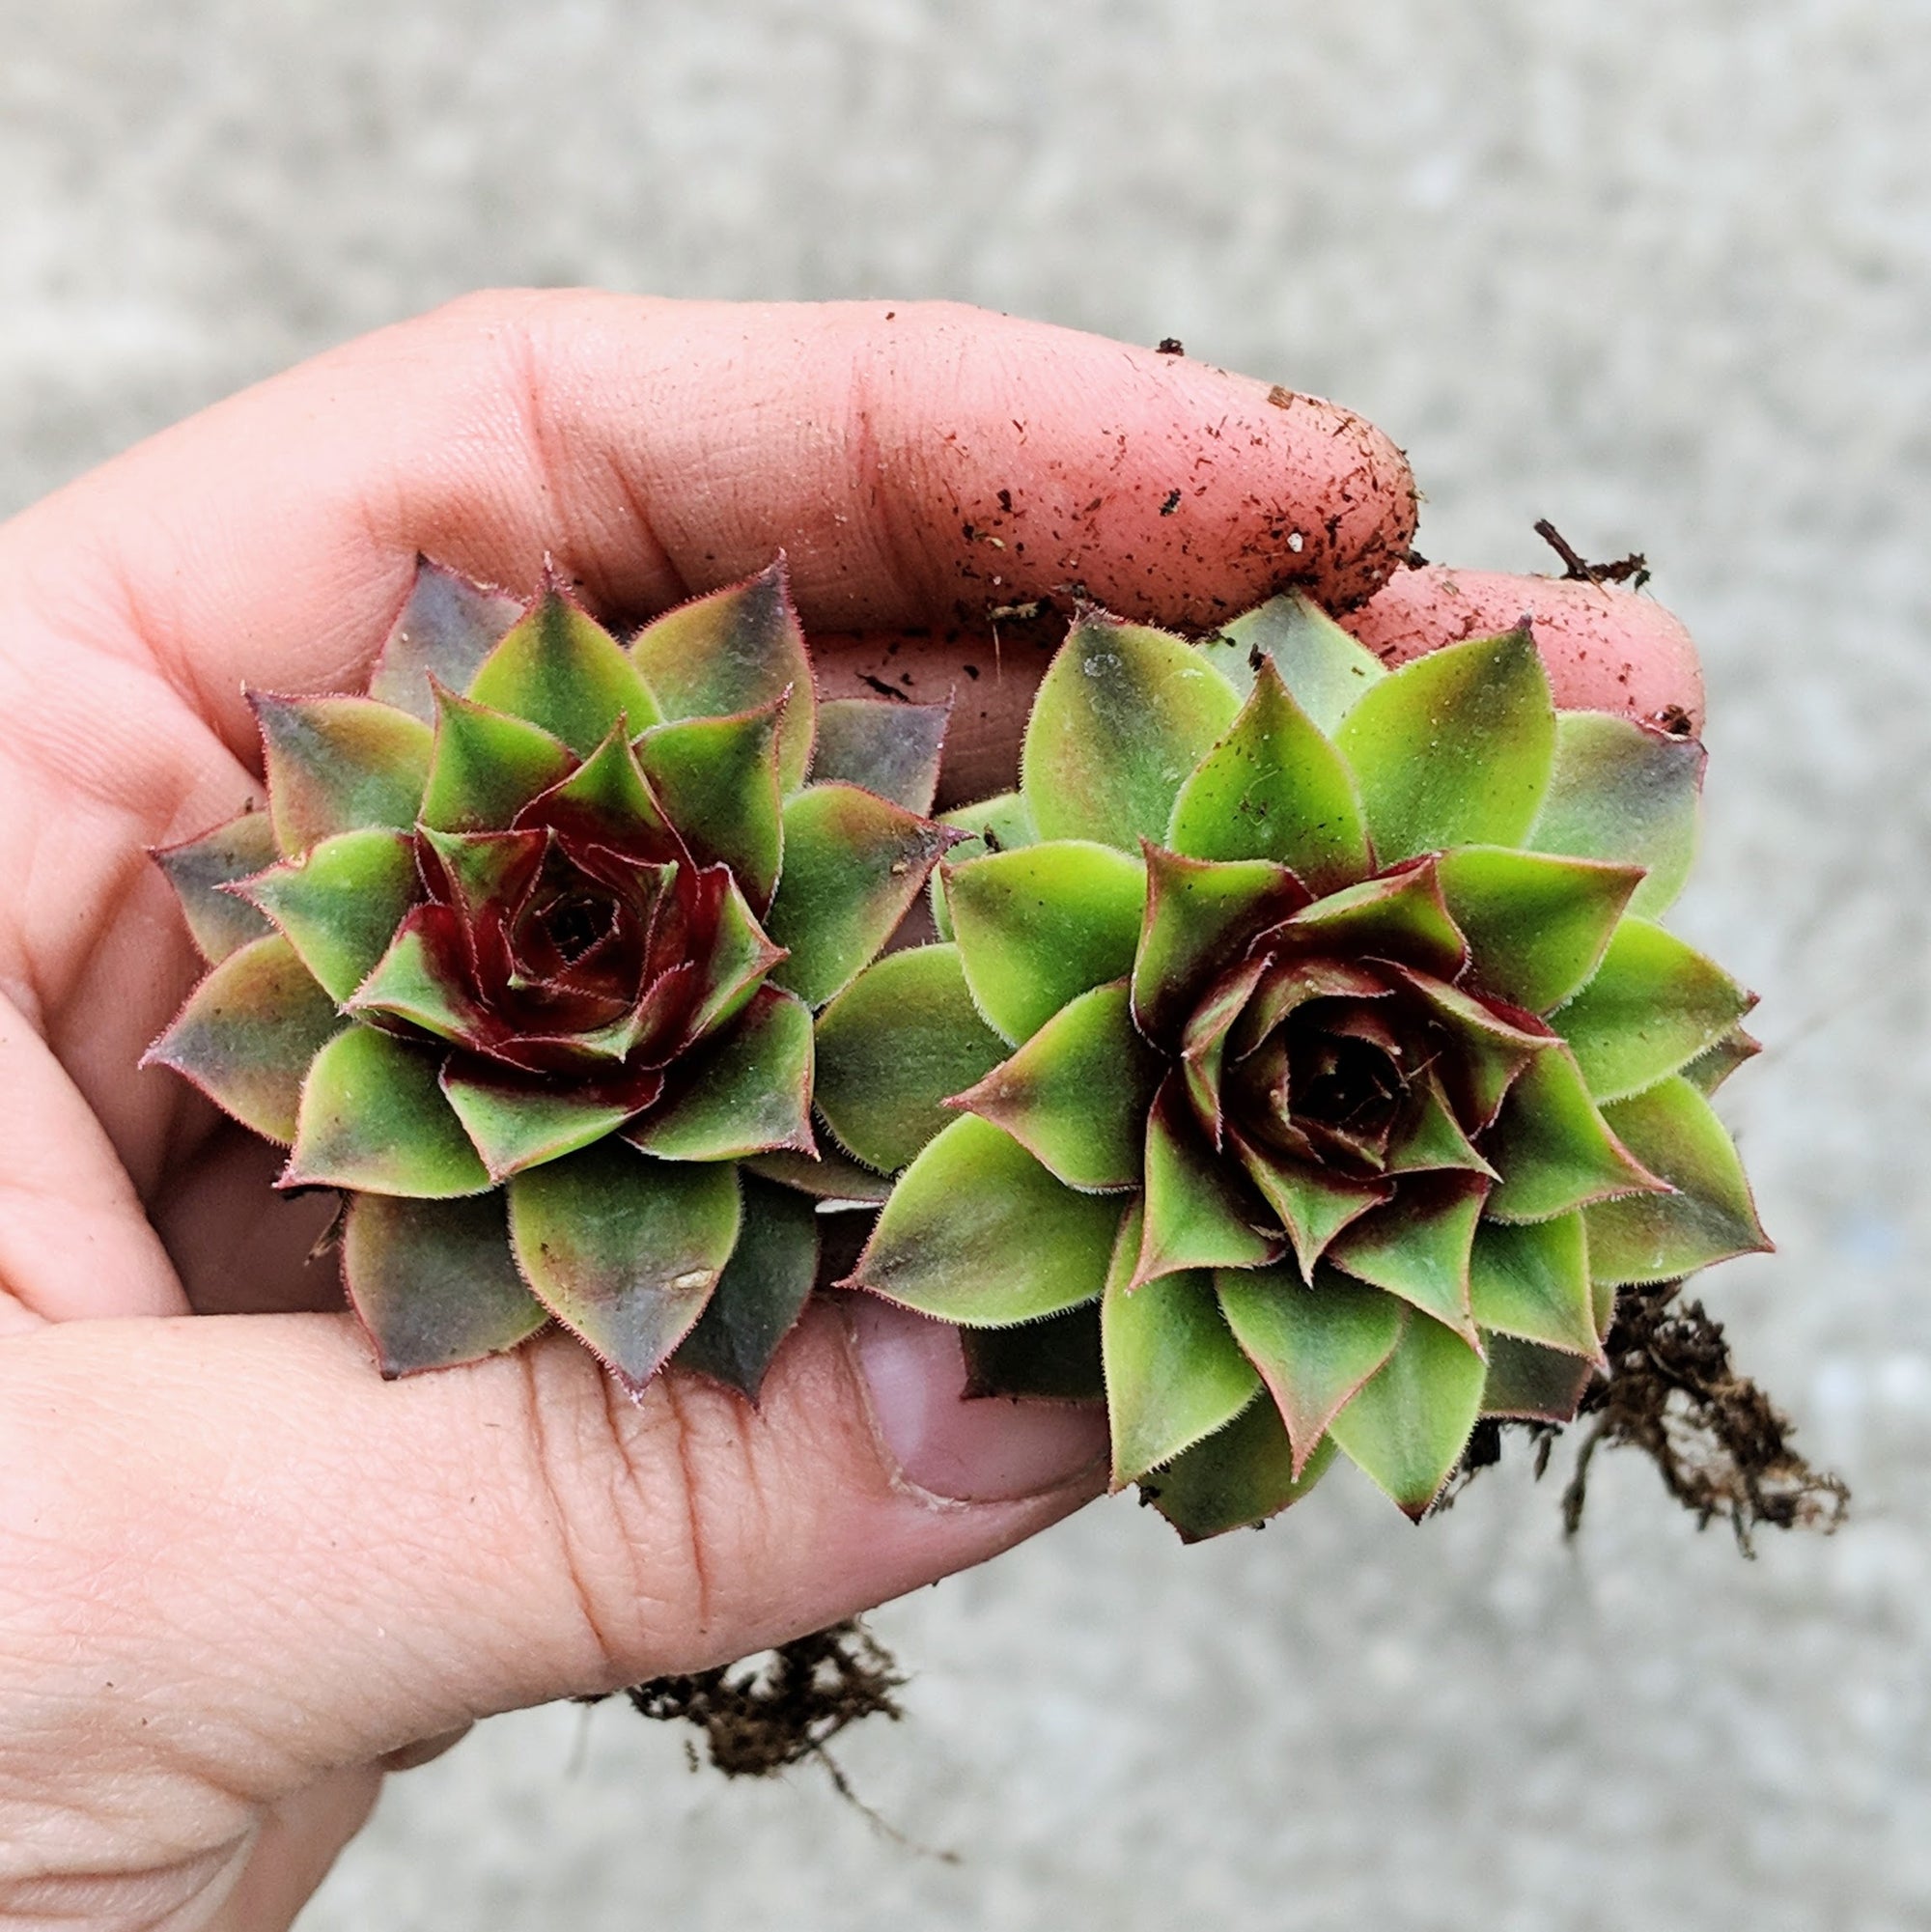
693,1478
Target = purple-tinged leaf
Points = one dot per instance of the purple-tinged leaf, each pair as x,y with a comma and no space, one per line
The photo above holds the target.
1174,1371
1626,794
1292,981
741,954
446,629
1323,668
883,746
1553,1148
434,1282
1203,1042
748,1090
830,1176
337,764
1653,1005
516,1122
733,650
1454,748
994,825
339,904
1532,1281
1532,1384
487,767
198,868
248,1033
898,1041
977,1232
1038,926
1075,1095
1315,1346
560,669
1431,1139
1312,1202
1536,924
1199,1211
1236,1479
604,801
416,980
853,864
1709,1217
1712,1067
1201,916
1407,1427
623,1250
1123,715
1053,1360
760,1295
1416,1246
1489,1049
374,1118
1275,788
1398,917
717,781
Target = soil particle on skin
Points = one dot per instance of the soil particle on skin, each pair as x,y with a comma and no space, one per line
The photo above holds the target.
1632,569
1170,345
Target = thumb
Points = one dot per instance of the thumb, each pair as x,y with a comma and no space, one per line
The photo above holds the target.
281,1563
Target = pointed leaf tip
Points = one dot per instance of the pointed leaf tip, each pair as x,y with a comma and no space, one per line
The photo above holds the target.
199,868
883,746
338,764
449,626
559,669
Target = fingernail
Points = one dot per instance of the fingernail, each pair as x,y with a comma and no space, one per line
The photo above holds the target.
990,1450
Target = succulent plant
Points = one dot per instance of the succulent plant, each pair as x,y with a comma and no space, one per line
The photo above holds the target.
1302,1065
521,958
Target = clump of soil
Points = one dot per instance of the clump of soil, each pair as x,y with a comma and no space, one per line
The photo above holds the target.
772,1712
1721,1445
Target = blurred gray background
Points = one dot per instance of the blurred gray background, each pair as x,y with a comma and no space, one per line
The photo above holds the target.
1661,271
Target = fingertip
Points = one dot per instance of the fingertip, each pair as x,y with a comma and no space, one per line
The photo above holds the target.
1607,649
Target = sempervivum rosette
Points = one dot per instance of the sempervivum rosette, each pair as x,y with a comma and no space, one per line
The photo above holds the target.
522,954
1323,1071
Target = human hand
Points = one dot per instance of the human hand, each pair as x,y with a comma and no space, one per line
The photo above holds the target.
240,1577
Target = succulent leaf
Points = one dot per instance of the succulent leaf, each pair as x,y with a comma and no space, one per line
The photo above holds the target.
605,800
339,904
1075,1094
1416,1246
336,765
1315,1342
1536,924
761,1294
716,779
516,1121
1712,1067
1626,794
1174,1371
1201,915
1056,1360
374,1119
853,865
560,669
1313,1203
1236,1479
1400,916
829,1175
882,745
745,1091
247,1035
893,1045
1275,788
1323,668
995,825
1407,1428
733,650
219,922
434,1282
1533,1384
624,1250
1454,748
412,982
1708,1217
1198,1212
741,954
448,626
487,767
1653,1006
1531,1281
1433,1139
1122,715
1553,1147
1037,927
979,1233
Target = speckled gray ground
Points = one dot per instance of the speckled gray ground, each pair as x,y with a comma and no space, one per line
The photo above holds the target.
1661,270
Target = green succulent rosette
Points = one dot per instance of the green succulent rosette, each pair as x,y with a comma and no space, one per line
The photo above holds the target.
1302,1067
522,958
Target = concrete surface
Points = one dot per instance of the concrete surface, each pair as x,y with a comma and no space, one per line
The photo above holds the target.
1661,271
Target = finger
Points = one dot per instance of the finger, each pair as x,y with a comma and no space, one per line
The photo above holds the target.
284,1564
915,464
1606,649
